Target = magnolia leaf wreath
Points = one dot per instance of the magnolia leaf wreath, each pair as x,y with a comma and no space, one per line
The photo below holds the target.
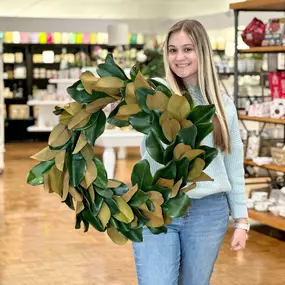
174,131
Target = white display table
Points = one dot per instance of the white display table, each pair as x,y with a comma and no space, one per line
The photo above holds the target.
117,138
46,119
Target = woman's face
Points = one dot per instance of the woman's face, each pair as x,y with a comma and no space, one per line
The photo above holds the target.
182,57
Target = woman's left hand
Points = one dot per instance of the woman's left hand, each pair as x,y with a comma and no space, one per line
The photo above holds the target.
238,240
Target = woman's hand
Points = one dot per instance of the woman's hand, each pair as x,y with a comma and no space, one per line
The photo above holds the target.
238,240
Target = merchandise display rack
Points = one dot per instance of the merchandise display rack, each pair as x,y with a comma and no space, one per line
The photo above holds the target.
254,6
26,126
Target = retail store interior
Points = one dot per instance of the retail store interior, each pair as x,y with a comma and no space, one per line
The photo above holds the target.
45,46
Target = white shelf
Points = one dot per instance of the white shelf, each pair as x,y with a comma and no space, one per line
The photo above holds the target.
49,103
39,129
63,80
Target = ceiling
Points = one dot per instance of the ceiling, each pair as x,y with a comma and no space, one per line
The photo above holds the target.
111,9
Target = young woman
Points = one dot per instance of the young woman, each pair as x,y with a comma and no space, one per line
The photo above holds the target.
187,253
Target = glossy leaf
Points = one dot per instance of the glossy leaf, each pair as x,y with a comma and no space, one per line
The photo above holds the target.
188,135
204,129
196,169
179,107
36,174
106,193
108,69
142,122
177,207
139,198
142,94
113,121
95,131
78,93
166,192
92,220
77,166
101,180
113,206
209,155
202,114
141,175
158,230
182,167
156,128
154,147
167,172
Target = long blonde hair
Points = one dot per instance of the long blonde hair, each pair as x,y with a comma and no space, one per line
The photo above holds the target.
207,78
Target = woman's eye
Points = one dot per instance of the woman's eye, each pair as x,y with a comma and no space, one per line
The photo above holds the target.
172,50
188,49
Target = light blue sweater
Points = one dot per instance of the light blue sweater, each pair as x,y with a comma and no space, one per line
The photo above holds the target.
226,170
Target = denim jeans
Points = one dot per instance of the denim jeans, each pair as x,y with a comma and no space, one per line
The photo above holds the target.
187,253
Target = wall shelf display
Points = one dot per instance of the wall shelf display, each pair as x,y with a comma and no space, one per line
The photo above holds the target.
41,77
266,218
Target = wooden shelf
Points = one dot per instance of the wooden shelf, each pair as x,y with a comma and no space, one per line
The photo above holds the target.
267,166
270,49
268,219
259,5
262,119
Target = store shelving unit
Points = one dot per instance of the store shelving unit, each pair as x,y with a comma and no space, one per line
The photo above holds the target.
25,127
251,6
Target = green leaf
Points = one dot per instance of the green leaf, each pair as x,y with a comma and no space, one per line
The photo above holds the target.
203,129
102,178
76,165
209,155
121,190
202,114
95,131
141,174
61,147
156,127
166,192
58,110
134,235
99,94
35,176
168,153
167,172
141,94
98,204
141,122
92,220
139,198
142,220
158,230
188,136
109,69
150,205
154,147
106,193
161,87
109,59
134,71
113,206
92,121
113,121
78,93
182,167
177,206
119,225
69,202
78,221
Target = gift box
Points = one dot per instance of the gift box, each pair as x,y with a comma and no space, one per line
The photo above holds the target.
253,34
274,32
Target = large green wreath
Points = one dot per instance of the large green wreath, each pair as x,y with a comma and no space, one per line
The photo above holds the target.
174,128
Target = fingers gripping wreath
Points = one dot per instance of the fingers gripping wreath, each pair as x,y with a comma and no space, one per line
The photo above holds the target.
174,131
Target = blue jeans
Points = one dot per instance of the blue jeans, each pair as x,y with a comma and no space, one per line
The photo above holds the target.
187,253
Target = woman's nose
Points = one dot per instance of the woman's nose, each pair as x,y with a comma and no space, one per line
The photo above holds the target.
180,55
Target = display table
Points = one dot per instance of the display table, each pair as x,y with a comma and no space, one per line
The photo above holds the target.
46,119
111,139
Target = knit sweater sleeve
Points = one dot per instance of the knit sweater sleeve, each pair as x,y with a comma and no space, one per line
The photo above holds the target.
234,166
